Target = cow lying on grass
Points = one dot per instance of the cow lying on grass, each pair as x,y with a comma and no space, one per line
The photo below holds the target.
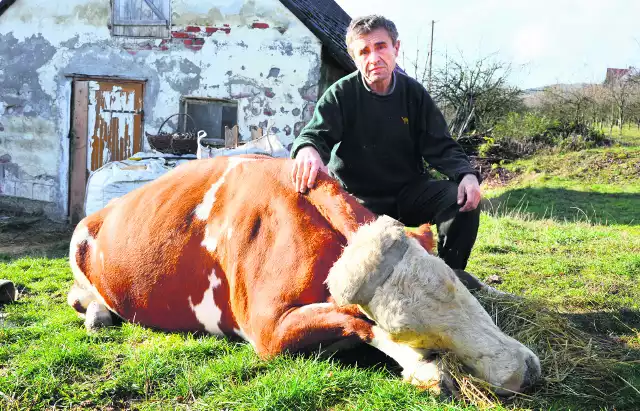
226,246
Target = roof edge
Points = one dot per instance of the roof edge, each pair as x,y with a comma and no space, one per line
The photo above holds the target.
4,5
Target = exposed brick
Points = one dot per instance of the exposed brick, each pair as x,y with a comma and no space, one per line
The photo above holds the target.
188,42
268,112
269,92
226,30
198,42
257,25
164,48
210,30
226,25
180,35
195,48
193,29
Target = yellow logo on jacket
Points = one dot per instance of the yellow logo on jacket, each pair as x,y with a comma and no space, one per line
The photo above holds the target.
405,120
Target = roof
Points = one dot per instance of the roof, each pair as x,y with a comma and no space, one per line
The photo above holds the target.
325,19
616,74
328,22
4,5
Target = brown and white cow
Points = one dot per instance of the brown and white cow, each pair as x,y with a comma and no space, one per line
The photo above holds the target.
228,247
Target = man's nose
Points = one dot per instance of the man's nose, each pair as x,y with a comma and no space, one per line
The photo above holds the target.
374,57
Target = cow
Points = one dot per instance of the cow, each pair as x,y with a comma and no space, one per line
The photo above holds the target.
227,247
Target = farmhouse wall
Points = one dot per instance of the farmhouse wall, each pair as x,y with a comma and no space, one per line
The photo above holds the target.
255,52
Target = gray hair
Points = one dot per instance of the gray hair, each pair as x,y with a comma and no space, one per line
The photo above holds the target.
367,24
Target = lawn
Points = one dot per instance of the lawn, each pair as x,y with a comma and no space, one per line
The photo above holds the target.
563,232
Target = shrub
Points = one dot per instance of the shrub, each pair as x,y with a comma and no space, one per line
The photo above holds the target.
519,135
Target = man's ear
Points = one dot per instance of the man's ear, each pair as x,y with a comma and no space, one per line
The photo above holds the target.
397,47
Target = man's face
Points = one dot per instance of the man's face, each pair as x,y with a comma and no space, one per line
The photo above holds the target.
375,55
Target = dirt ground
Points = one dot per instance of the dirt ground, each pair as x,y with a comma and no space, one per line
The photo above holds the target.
32,235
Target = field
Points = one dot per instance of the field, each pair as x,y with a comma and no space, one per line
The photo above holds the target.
561,230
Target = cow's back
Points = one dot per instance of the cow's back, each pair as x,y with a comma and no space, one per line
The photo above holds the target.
195,249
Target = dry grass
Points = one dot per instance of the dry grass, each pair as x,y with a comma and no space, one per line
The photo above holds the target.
577,367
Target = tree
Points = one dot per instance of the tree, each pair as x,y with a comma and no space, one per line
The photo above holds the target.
623,91
477,94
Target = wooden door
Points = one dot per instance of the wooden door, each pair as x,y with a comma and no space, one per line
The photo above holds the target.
107,126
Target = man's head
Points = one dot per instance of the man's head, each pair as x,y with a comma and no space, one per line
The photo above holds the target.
373,44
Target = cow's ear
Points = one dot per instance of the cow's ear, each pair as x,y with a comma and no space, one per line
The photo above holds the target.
424,236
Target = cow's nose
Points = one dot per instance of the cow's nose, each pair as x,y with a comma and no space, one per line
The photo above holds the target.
532,374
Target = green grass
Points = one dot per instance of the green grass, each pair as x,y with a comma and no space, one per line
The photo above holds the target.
565,231
48,359
600,186
630,134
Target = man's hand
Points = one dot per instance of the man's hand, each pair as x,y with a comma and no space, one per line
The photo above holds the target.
305,169
469,194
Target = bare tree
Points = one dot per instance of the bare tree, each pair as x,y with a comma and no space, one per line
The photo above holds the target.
476,93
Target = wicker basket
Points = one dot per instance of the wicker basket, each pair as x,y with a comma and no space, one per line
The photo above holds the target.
174,143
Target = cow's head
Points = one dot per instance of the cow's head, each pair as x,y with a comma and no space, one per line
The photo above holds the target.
420,302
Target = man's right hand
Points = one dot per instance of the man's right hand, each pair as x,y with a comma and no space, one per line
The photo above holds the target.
305,169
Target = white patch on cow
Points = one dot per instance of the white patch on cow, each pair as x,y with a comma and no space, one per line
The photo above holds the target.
229,233
207,312
406,356
210,241
80,235
203,210
314,306
102,259
240,333
415,369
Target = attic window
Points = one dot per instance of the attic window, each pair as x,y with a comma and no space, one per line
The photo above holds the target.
141,18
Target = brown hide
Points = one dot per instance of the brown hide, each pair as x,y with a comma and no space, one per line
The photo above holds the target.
233,237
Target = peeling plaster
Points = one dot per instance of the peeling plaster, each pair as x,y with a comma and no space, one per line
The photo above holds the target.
44,43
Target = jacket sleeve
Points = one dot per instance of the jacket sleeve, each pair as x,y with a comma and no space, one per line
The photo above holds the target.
325,129
437,146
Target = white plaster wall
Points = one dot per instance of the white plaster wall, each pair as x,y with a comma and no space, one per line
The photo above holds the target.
75,39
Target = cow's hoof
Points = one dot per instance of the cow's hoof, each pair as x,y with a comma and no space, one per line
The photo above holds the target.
96,316
8,293
429,375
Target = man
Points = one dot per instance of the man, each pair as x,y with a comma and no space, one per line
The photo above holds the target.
374,127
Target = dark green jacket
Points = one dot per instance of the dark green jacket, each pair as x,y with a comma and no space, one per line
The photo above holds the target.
373,144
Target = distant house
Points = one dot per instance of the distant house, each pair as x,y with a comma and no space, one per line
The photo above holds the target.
615,74
81,81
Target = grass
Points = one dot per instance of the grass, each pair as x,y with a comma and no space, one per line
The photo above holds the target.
630,134
563,233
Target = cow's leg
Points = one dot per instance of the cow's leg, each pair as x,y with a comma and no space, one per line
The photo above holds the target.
308,327
423,372
97,315
89,307
79,299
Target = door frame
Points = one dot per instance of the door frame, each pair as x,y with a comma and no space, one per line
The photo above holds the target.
79,138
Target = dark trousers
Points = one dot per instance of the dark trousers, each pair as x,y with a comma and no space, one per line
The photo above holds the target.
433,201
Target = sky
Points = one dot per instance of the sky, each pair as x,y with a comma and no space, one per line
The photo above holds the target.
545,41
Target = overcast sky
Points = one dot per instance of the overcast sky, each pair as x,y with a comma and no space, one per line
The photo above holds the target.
546,41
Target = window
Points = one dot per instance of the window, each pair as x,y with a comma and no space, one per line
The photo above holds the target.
141,18
210,115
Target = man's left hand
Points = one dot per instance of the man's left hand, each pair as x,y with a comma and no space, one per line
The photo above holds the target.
469,194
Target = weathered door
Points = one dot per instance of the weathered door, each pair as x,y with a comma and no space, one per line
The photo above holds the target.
107,126
115,122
